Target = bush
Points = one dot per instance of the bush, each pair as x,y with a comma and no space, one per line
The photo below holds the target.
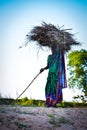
24,99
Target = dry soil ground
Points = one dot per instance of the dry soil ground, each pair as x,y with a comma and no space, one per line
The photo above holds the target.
42,118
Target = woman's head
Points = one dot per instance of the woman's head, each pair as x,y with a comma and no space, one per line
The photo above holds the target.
54,48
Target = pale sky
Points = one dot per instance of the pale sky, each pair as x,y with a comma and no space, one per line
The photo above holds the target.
19,66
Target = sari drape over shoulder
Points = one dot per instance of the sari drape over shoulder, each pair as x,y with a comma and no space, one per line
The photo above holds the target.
56,80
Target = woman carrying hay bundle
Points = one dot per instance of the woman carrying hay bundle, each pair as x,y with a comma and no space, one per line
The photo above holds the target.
59,41
56,77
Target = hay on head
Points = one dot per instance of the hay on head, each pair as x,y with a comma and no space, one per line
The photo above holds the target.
48,34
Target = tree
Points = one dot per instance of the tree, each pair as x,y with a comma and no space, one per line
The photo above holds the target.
77,66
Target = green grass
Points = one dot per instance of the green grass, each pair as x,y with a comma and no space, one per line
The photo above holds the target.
6,101
63,120
58,121
38,103
20,125
53,120
71,104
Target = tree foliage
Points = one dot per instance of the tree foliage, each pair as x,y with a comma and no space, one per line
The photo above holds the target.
77,66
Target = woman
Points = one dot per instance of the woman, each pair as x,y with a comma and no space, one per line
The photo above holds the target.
56,77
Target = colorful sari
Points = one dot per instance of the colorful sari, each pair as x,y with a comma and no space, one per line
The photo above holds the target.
56,79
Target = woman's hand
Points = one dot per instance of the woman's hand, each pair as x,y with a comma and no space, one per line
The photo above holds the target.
41,70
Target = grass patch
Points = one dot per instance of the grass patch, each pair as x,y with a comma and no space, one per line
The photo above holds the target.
53,120
20,125
58,121
2,110
30,102
38,103
1,120
71,104
6,101
63,120
23,112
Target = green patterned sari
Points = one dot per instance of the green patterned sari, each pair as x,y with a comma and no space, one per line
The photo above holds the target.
56,79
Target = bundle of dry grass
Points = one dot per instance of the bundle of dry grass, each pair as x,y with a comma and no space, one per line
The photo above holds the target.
48,34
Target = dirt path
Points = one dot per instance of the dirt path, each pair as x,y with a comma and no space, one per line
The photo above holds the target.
41,118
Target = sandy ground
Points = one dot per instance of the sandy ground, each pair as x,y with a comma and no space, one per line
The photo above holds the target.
42,118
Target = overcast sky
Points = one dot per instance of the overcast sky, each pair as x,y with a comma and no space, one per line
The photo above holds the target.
19,66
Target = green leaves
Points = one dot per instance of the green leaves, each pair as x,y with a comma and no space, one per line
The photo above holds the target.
78,58
77,66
